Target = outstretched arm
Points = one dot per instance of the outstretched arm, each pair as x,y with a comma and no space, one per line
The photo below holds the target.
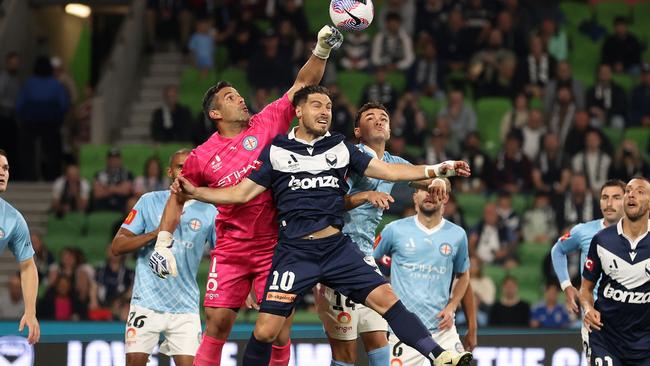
126,242
243,192
377,199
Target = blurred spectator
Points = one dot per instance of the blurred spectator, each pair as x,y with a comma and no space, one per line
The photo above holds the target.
153,178
113,185
521,18
426,75
242,45
563,78
167,20
512,169
381,90
532,134
171,121
577,134
640,100
606,100
61,303
355,51
461,115
435,150
289,42
66,266
513,38
78,129
9,88
113,278
86,291
128,206
202,46
261,98
482,285
70,192
202,129
593,162
622,50
456,42
479,163
491,240
61,74
537,67
453,212
507,214
409,120
342,112
478,16
517,116
404,8
510,310
42,256
504,83
41,107
11,301
430,17
540,225
269,68
578,204
392,47
484,65
555,39
397,146
562,113
549,175
549,313
628,162
291,10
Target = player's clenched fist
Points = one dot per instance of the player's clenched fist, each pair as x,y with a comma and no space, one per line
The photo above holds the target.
184,187
162,261
592,319
329,38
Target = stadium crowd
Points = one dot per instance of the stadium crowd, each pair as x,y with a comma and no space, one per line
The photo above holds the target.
554,147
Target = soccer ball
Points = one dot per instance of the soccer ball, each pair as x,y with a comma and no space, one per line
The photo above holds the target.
352,15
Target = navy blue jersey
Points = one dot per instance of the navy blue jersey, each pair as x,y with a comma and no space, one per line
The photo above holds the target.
623,267
309,180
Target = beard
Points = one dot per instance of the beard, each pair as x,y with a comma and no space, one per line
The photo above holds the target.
310,129
429,210
641,213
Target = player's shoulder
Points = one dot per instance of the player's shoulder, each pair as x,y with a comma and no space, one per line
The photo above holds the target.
399,223
452,228
607,233
390,158
154,197
9,211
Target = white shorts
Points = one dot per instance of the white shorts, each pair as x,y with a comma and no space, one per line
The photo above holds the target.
403,355
144,326
584,332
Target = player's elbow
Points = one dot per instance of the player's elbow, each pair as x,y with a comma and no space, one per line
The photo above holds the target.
116,248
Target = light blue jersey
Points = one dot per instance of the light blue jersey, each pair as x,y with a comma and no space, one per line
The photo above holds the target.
361,222
578,238
423,264
196,229
14,233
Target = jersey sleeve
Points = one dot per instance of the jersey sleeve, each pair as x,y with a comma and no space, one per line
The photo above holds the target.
593,266
193,169
264,174
276,116
384,243
134,221
358,159
20,243
461,259
567,243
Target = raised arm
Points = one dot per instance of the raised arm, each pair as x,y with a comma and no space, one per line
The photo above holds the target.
312,72
406,172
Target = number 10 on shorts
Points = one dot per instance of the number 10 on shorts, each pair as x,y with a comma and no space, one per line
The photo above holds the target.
286,281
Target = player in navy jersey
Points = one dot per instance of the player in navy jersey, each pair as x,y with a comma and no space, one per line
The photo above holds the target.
579,238
158,306
619,256
15,235
345,321
306,170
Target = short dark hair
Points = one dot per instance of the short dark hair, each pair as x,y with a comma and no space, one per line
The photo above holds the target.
613,183
3,153
366,107
179,152
301,95
209,96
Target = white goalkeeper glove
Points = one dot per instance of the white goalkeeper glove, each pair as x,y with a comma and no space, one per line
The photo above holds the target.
162,261
329,38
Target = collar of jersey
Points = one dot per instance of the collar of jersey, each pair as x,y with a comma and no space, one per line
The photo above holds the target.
633,243
292,136
371,152
425,229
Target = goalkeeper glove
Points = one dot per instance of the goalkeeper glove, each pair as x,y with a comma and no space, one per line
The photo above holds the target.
329,38
162,261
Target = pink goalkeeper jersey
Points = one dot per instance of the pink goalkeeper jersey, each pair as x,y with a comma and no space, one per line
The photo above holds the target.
223,162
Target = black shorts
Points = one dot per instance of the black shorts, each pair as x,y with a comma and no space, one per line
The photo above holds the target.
299,264
603,353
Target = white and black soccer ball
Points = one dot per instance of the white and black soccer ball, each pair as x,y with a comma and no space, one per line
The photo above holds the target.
352,15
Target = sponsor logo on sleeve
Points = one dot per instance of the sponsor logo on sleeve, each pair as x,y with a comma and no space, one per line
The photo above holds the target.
589,264
566,236
130,217
280,297
2,233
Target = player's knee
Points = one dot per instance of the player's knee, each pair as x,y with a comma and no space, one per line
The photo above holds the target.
219,322
266,334
136,359
381,299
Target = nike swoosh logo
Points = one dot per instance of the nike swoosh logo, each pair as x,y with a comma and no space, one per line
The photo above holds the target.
356,19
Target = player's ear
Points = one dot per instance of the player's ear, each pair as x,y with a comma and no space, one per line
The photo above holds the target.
169,172
357,132
215,114
299,111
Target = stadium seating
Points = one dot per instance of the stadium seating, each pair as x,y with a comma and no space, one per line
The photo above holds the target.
607,11
472,206
640,135
352,84
430,107
489,112
575,13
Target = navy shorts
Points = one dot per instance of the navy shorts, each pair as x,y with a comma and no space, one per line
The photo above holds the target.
602,353
299,264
